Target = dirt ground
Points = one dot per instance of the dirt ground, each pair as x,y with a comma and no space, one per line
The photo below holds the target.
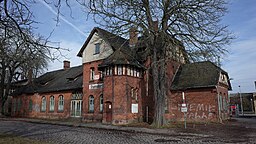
236,130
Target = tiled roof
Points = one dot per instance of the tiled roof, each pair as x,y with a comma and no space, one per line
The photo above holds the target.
115,41
121,58
197,75
59,80
122,52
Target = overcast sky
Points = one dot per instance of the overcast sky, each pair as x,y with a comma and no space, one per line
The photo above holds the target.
240,62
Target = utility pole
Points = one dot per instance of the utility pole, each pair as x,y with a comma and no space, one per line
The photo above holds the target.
241,100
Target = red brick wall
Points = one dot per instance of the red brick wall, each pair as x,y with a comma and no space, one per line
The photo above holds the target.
96,115
36,106
202,105
117,90
148,99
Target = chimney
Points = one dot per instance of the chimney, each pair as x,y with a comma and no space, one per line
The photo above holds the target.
66,65
133,37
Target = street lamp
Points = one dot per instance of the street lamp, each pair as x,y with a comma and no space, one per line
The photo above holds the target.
241,100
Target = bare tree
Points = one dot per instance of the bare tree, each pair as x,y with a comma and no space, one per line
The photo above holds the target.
21,50
171,29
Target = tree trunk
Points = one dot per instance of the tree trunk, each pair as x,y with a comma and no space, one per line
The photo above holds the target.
2,85
159,81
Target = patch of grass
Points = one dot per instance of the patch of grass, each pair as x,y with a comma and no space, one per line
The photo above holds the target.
12,139
141,124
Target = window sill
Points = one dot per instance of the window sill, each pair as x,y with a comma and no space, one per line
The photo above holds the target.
96,53
60,111
43,111
52,111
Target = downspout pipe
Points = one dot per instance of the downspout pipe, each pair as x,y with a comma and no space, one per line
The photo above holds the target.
219,111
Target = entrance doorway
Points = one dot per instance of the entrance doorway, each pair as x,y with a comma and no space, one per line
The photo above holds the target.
76,108
108,112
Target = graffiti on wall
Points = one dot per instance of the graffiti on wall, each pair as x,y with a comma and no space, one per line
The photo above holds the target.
36,108
198,110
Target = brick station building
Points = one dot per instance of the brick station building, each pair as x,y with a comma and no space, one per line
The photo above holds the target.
114,86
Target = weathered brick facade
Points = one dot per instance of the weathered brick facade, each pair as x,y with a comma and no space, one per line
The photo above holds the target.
113,87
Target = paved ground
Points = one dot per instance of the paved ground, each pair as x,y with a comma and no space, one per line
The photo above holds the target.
236,132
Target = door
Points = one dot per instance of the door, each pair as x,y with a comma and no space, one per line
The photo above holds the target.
108,112
76,108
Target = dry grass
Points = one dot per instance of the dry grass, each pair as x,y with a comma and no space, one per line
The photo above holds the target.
12,139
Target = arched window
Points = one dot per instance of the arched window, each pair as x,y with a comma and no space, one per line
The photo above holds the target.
101,103
52,103
91,104
92,73
43,106
61,103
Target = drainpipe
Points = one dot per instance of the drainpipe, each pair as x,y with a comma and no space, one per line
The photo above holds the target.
219,111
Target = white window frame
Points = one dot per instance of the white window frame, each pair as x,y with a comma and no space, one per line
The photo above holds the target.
92,73
101,103
132,92
132,71
119,70
43,104
61,103
128,71
51,108
91,104
97,48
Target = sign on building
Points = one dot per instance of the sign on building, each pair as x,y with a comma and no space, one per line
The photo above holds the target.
135,108
96,86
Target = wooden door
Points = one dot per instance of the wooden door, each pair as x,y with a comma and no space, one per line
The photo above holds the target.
108,112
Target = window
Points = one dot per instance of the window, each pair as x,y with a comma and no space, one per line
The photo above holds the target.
97,48
101,75
14,105
119,70
92,73
166,104
128,71
135,72
109,71
30,105
52,103
132,71
136,94
220,103
61,103
132,92
101,103
138,73
43,106
124,67
91,104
